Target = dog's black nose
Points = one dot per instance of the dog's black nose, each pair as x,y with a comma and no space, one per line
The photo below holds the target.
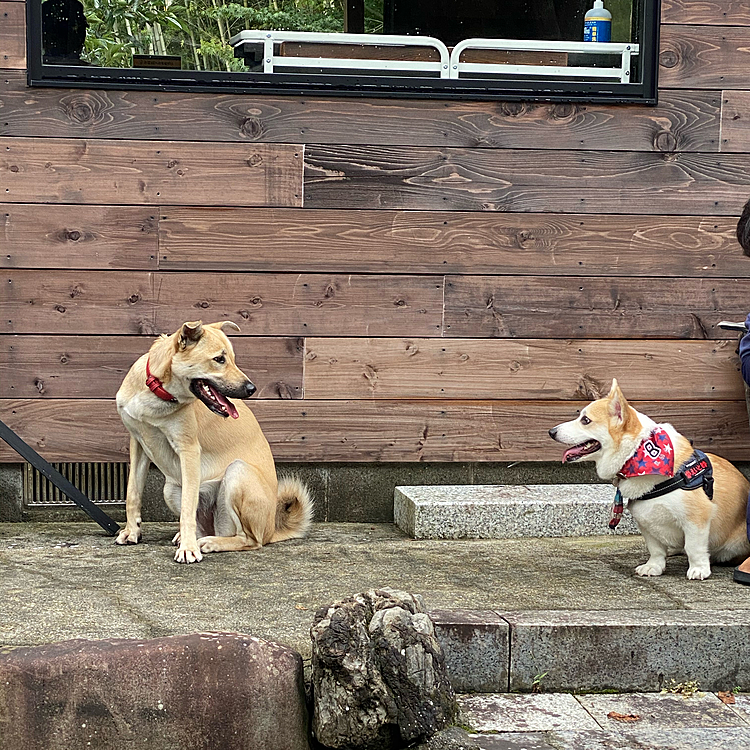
553,432
249,389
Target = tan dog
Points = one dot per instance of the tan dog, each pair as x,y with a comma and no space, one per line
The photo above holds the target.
611,433
220,474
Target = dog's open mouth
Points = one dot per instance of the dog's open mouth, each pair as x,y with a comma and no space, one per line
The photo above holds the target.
209,394
581,450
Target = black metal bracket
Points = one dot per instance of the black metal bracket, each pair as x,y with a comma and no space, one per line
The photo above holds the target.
29,454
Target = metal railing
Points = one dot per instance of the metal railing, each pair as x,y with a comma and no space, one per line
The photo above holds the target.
272,60
449,64
622,72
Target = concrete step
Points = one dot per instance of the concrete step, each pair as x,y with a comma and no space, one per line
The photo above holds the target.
560,721
622,650
513,614
507,511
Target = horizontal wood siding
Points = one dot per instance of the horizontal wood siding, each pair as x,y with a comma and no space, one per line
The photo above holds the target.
518,369
389,431
716,12
93,367
86,237
129,302
58,170
415,280
683,120
596,307
509,180
704,57
371,241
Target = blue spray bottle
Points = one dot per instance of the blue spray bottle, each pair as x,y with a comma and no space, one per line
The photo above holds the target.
597,24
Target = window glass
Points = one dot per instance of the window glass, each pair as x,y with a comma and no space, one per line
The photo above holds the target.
461,43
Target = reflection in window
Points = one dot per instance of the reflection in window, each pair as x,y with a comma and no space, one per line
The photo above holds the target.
196,34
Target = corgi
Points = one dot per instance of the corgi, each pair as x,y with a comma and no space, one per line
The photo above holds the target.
702,512
220,474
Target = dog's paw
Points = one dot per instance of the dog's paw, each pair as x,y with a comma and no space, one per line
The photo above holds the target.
649,569
129,536
188,553
698,572
209,544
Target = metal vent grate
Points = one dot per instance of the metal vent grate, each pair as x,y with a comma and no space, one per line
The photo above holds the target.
104,483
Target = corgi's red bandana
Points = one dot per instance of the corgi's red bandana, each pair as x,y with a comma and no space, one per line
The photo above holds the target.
655,455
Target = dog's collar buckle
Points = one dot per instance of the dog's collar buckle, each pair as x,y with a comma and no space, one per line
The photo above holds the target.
157,387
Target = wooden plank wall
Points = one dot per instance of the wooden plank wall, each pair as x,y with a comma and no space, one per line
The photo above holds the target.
415,280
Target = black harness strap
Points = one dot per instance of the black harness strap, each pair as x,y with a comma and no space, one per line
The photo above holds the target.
54,476
696,473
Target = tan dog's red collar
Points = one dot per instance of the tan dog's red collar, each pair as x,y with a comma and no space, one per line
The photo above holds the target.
156,386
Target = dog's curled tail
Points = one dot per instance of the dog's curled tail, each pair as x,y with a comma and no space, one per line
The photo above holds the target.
294,509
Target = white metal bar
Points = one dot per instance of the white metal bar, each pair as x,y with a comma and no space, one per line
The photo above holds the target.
625,69
536,45
271,60
625,50
317,62
538,70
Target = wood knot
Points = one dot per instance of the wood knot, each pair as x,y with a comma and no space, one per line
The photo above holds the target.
512,109
82,109
563,111
257,301
665,141
244,314
252,128
203,305
39,385
589,388
399,303
14,168
73,235
76,291
60,308
284,391
668,58
133,298
254,160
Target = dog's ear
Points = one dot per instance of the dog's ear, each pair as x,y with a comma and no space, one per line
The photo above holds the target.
617,403
190,334
222,323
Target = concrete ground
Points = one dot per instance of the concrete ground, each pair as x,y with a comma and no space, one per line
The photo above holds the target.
68,580
559,721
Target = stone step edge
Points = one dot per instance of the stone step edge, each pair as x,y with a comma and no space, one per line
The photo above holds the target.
506,511
584,650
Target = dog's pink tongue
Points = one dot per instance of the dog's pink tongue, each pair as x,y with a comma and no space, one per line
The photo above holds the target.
569,452
230,407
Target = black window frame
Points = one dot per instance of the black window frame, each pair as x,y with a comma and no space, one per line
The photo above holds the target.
600,92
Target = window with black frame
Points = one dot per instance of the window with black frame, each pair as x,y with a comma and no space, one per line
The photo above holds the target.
530,49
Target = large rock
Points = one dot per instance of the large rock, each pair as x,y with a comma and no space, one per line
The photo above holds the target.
208,690
378,673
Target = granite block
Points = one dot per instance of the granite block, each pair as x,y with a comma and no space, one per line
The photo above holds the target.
524,713
662,710
629,650
648,739
475,645
506,511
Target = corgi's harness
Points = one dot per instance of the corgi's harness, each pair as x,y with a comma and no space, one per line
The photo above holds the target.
694,474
